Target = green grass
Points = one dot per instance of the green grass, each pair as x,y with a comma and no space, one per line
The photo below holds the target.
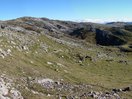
102,74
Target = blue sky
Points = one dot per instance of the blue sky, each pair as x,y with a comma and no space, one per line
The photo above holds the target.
83,10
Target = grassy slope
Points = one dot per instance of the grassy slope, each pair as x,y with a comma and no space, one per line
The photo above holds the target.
99,73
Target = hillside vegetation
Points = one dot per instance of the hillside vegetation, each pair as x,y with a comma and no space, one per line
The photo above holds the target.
52,59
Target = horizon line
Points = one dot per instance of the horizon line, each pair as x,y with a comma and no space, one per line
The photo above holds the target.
92,20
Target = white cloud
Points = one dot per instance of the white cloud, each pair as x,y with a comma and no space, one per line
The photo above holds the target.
106,20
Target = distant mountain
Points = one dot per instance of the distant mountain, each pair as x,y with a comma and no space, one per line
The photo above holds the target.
129,23
118,23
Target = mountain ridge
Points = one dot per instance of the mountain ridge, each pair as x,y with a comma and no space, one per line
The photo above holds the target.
57,26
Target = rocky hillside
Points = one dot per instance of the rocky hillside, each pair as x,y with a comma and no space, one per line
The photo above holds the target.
51,59
110,34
